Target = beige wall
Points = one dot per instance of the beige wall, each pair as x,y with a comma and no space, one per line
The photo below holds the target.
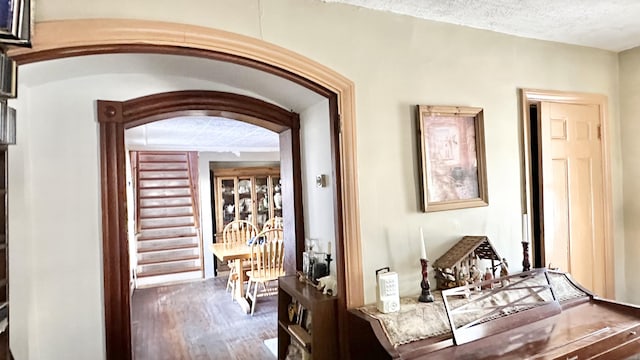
395,62
630,128
315,160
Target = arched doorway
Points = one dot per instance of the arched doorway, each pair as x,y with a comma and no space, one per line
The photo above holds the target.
69,38
115,116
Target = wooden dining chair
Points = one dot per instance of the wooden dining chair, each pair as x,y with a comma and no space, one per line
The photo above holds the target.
275,222
237,232
267,263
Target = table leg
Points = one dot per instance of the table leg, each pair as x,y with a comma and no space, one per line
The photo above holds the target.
239,295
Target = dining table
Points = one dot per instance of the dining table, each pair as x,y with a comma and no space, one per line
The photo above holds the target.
235,253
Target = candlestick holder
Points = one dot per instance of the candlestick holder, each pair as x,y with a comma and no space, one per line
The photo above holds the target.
328,260
426,295
526,265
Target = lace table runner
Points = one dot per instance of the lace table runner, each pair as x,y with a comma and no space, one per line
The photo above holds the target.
417,321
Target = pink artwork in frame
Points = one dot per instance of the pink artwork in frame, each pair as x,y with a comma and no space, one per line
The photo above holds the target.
451,142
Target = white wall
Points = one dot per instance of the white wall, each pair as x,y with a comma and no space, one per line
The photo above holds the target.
395,62
315,154
630,128
57,215
57,294
204,158
24,316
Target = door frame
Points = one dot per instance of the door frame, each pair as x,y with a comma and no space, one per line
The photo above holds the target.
117,116
69,38
536,96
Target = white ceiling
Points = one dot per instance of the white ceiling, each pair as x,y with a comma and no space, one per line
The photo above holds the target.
605,24
203,134
190,133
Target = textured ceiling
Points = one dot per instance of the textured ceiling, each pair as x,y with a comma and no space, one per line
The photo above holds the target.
605,24
202,134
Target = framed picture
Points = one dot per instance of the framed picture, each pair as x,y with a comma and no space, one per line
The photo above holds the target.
8,76
453,169
15,22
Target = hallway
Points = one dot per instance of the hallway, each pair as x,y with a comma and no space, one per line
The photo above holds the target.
198,320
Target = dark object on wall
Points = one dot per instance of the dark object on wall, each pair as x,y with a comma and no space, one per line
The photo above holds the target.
7,124
8,77
15,22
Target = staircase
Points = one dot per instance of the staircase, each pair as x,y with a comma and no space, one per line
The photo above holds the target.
168,237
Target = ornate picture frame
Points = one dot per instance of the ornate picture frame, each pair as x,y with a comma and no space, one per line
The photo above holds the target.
452,157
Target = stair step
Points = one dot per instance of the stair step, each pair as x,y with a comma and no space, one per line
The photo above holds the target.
159,280
175,192
167,271
167,232
159,245
162,183
170,243
156,257
159,222
164,174
152,212
166,202
168,267
161,255
152,166
162,157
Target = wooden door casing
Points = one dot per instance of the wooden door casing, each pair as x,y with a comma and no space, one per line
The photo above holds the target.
572,192
69,38
114,117
532,175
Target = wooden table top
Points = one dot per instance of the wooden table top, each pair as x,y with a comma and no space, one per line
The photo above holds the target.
227,252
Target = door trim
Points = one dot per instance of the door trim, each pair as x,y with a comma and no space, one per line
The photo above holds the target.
68,38
535,96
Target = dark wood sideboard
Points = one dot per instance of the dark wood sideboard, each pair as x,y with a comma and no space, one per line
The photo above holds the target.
583,327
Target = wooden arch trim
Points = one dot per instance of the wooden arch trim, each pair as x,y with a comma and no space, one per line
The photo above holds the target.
68,38
155,107
114,117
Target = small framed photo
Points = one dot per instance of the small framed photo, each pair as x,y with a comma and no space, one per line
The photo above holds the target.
452,157
15,22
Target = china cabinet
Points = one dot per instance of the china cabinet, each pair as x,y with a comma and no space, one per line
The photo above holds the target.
249,193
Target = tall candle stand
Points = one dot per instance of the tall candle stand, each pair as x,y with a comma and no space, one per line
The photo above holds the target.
526,265
425,296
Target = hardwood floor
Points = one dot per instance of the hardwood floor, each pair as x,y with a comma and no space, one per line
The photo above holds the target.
198,320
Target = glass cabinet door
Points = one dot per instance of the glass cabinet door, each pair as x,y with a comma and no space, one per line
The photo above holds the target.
277,196
262,200
245,203
227,202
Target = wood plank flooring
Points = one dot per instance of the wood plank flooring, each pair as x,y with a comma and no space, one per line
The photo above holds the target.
198,320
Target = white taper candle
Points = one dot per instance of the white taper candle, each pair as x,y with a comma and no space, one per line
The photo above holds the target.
525,228
423,249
